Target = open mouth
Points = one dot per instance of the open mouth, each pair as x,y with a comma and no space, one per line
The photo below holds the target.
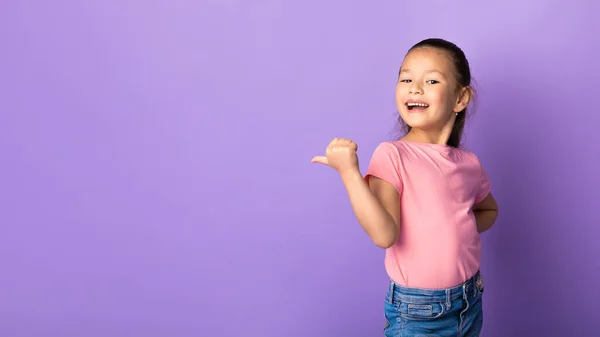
416,106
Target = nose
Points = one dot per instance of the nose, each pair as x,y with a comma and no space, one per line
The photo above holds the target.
415,88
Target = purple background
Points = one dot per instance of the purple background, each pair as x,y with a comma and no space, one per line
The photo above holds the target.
156,177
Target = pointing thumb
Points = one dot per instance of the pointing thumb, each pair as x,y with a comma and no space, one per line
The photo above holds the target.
320,160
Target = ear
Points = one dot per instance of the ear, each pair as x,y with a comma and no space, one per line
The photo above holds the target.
464,97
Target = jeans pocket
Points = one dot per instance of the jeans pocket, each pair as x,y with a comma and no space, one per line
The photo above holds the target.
422,311
392,320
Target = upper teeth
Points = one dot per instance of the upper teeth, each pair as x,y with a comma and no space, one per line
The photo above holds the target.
417,104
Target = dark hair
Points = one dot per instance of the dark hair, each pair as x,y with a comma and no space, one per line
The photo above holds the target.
463,78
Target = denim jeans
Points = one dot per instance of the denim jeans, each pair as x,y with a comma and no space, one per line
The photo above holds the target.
455,311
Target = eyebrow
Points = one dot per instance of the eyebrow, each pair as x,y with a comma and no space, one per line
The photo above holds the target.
427,72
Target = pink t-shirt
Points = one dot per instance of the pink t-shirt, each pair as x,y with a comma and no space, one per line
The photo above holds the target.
438,245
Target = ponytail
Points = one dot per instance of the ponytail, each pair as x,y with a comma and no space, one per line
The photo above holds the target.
457,129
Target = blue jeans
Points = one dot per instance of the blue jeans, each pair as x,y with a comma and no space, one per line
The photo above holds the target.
448,312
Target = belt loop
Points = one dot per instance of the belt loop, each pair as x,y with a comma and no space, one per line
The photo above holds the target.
478,283
448,299
391,293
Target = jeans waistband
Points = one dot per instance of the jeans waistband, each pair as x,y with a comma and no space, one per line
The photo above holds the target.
418,295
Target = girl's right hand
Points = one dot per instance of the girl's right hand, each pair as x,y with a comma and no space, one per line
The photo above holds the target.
340,155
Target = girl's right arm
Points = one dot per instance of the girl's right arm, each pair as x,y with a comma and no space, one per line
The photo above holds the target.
376,202
376,206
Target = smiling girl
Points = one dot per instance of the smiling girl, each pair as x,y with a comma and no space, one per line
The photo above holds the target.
424,199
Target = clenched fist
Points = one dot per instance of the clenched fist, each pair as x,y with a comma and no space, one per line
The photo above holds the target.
340,155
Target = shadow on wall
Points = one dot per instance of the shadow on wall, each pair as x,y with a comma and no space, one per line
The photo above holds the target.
528,269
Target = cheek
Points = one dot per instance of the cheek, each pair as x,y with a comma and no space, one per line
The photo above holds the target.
443,100
398,91
400,96
437,97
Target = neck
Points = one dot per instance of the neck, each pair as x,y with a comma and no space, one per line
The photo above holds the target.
439,136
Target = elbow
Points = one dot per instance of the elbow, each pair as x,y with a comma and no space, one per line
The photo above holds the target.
384,244
495,215
385,241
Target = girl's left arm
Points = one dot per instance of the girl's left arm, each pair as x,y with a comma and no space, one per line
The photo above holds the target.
486,212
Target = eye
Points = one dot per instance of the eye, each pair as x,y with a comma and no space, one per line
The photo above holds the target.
432,82
405,81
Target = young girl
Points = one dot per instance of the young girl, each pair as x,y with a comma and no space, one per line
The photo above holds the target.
424,199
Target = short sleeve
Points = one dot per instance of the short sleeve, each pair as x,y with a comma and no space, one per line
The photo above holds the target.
385,165
485,186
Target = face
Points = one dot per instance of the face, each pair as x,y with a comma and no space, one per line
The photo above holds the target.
427,94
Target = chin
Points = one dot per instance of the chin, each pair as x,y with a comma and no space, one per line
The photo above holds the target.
416,121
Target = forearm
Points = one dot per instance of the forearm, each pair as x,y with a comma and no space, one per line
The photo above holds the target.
370,213
485,219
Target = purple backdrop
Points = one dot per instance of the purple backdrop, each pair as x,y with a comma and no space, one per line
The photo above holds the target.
156,177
